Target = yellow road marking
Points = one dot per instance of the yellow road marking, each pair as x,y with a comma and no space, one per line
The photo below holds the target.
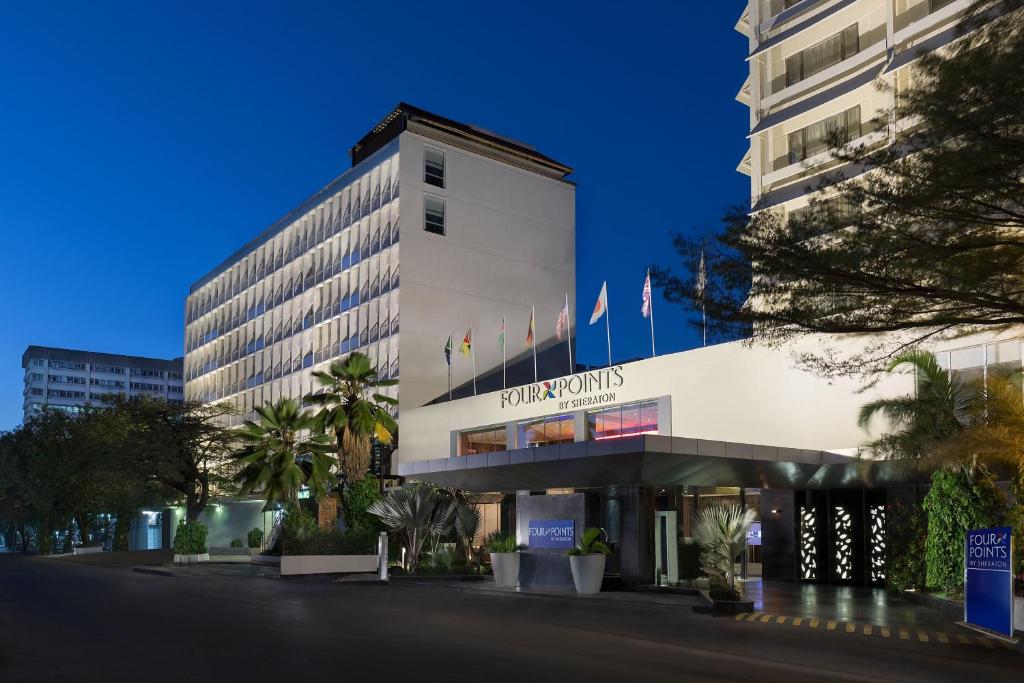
766,618
741,616
851,628
814,623
904,635
922,636
986,642
943,638
964,640
753,616
831,626
780,620
867,629
797,621
885,631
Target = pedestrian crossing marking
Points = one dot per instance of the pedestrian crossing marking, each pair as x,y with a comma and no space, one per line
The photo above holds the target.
753,616
766,618
780,620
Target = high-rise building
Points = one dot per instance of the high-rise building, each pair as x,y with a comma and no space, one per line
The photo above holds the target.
68,380
437,227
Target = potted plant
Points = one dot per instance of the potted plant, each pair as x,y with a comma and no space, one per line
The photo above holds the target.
254,539
504,558
721,531
587,561
190,543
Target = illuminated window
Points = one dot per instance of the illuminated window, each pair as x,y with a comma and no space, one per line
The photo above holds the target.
482,441
627,420
547,431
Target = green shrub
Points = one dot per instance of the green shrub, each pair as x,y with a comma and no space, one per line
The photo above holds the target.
590,543
357,541
689,560
190,539
255,537
719,589
955,504
355,501
905,547
501,542
236,543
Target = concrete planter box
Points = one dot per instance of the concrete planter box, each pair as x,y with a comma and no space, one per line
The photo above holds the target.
506,569
587,572
295,565
191,559
88,550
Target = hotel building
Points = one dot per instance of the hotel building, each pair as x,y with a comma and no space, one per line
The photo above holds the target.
68,380
437,227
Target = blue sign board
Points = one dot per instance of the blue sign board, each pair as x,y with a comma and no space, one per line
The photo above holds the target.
988,590
559,534
754,534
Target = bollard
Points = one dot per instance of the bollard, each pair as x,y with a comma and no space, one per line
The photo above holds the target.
382,556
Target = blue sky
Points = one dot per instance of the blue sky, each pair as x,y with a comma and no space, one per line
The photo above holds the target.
140,145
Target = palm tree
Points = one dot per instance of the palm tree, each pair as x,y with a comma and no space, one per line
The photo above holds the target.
354,411
939,409
416,512
721,531
277,457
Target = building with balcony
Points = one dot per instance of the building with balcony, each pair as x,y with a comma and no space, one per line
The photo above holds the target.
68,380
437,227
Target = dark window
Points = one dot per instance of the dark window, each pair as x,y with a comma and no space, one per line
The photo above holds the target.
433,214
433,166
824,135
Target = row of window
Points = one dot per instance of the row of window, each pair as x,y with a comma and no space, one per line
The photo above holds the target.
65,379
96,367
326,220
824,135
615,422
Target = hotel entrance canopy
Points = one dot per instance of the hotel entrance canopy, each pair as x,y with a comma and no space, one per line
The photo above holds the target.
655,460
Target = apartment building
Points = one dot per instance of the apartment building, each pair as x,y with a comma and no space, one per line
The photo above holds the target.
437,227
68,380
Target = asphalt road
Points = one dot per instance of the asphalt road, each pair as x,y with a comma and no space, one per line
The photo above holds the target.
63,621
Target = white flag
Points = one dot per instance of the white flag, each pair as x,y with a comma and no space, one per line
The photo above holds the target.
702,277
646,308
602,304
562,324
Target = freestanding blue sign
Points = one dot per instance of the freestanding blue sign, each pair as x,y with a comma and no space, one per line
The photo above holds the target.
988,589
559,534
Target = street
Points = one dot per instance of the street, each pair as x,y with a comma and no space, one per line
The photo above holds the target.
64,621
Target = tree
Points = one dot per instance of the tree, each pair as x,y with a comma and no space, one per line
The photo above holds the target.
929,241
415,512
721,531
354,411
278,458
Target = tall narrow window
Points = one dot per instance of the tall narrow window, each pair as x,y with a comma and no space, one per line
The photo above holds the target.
433,214
822,55
433,166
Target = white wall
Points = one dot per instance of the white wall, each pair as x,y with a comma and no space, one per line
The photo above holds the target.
509,244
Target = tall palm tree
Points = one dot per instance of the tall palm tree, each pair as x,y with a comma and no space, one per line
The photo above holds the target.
939,409
280,455
354,411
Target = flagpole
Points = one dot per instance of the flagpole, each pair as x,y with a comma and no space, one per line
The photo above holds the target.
653,353
503,384
533,326
607,329
568,333
449,369
472,355
703,287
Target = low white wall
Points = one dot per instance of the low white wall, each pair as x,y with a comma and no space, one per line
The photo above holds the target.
327,564
88,550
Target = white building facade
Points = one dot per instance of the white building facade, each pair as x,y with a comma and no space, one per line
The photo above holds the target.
437,227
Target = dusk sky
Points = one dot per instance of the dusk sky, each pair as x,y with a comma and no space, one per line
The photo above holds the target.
141,145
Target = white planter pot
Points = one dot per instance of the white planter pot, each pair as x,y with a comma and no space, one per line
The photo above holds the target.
506,569
587,572
292,565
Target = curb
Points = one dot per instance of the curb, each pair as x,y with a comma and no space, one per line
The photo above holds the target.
155,571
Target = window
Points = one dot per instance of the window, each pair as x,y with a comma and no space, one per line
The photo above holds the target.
140,372
36,376
821,56
433,214
482,440
433,167
776,6
823,135
547,431
67,365
37,362
627,420
838,210
113,369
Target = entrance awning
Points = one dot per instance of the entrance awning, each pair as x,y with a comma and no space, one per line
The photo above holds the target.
652,460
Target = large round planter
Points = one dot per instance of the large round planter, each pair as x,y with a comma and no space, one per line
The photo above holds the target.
506,569
587,572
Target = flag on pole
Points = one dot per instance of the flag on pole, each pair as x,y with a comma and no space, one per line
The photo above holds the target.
601,307
501,336
530,330
646,307
562,324
467,343
702,277
448,351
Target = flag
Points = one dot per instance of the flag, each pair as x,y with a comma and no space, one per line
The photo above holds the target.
601,307
501,336
467,343
448,351
562,324
530,330
702,277
646,308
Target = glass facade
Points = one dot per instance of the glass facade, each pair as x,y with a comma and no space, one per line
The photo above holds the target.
547,431
626,420
485,440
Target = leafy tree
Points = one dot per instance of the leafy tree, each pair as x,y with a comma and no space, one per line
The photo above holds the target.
354,411
929,241
905,547
277,457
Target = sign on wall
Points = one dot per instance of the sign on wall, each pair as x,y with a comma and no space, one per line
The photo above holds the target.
558,534
988,589
754,534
